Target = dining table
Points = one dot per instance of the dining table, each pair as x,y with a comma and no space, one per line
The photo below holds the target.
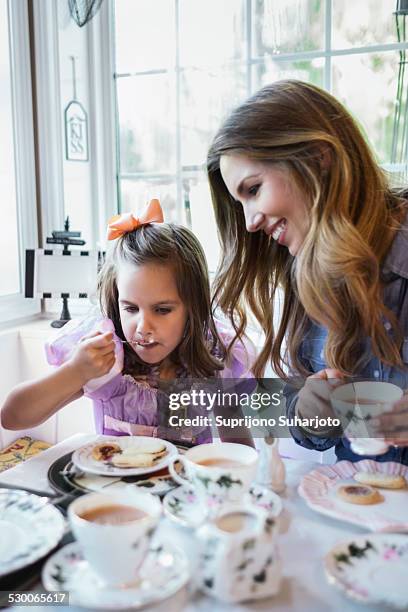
305,537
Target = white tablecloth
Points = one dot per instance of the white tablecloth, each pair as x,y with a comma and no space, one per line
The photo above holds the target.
304,540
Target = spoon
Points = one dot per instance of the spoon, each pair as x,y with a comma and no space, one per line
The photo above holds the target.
137,343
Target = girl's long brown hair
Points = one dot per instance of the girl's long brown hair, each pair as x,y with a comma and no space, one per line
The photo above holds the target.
335,278
175,246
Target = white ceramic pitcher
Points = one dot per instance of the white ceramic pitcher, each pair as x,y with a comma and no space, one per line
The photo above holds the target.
239,559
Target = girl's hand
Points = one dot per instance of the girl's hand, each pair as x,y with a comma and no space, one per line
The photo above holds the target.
94,356
314,397
393,425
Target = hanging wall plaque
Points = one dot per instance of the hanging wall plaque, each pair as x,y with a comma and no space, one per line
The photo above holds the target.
76,126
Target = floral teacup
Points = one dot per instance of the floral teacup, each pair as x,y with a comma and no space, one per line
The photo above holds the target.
356,404
219,473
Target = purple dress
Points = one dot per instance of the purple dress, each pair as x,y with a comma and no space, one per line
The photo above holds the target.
127,405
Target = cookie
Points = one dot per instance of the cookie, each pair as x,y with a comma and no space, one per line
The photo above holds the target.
139,460
145,445
137,450
131,452
383,481
105,450
359,494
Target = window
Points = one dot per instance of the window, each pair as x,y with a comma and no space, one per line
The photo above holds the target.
181,65
17,188
9,256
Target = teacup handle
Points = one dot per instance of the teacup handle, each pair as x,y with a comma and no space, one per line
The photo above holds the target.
173,473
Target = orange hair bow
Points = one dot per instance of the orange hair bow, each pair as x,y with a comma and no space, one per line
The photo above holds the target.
127,222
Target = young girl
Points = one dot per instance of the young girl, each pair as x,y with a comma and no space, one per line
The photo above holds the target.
157,325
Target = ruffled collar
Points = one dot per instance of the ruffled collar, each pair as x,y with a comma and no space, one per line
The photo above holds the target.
150,377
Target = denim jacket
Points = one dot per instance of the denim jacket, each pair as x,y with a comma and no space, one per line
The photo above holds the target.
395,276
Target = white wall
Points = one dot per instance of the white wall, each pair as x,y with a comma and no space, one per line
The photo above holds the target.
22,357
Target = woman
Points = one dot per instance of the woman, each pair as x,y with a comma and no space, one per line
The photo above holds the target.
302,205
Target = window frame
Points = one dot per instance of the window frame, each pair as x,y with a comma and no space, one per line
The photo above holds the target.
16,306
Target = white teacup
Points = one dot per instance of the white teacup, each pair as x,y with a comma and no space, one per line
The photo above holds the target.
357,403
218,473
114,531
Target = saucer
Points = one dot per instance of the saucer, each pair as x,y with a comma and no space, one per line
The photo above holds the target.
182,505
164,572
30,527
319,490
158,483
371,569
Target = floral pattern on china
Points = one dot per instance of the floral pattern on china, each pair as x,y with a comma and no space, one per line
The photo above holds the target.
163,573
29,528
183,506
371,569
238,556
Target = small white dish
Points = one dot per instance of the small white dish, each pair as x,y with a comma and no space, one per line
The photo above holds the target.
319,489
83,459
29,528
182,505
158,483
371,569
164,572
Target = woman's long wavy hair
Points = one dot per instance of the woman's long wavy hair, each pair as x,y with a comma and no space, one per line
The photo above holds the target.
171,245
335,278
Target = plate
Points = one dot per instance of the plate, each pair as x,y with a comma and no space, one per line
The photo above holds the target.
371,569
182,506
82,457
65,477
29,528
164,572
319,488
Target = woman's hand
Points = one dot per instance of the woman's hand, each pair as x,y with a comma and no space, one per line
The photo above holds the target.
393,425
314,397
94,356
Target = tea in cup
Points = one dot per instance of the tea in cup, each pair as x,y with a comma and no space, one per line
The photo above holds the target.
218,473
357,403
114,531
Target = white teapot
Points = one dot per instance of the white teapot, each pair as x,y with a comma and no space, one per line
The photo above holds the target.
238,558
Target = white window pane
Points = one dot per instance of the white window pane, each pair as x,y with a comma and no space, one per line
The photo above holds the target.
145,37
367,85
211,32
203,219
147,123
136,194
311,71
286,26
367,22
206,97
9,246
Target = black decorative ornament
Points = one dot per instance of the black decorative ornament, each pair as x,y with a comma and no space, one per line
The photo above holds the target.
83,11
